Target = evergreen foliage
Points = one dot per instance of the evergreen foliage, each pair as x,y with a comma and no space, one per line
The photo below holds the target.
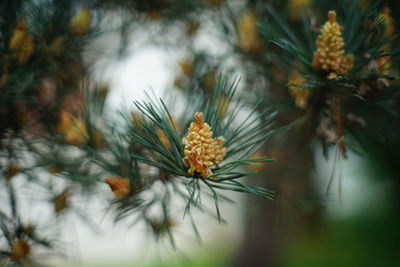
330,68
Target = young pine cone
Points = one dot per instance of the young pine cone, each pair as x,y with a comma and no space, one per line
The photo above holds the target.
119,186
202,150
330,49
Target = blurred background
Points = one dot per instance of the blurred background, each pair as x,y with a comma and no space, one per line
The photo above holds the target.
331,208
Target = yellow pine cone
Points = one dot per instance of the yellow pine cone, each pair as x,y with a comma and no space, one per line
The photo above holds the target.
73,129
330,45
20,249
329,55
301,96
21,43
296,6
202,150
119,186
80,24
248,36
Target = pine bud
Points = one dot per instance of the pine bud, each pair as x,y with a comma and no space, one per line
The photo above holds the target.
80,24
20,249
61,202
21,43
301,96
330,49
119,186
73,129
248,38
201,150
